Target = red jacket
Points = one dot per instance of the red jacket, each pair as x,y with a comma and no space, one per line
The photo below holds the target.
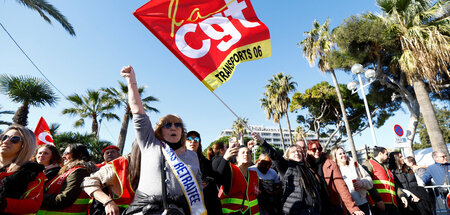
337,189
32,199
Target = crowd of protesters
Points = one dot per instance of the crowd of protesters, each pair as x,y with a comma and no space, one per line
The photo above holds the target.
167,173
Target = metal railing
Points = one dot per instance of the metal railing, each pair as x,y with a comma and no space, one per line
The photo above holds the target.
442,197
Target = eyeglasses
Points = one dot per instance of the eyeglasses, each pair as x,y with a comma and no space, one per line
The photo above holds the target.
195,139
169,125
12,139
315,149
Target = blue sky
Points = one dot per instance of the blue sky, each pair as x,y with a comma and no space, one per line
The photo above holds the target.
109,37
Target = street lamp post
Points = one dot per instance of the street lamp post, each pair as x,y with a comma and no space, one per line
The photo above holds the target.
357,69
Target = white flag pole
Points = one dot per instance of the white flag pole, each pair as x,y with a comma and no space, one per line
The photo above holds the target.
239,119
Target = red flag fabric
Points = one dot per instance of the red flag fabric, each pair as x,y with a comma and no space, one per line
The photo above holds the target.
210,37
42,133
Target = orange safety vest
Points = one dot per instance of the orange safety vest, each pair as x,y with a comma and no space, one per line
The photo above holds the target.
120,166
243,193
79,207
384,183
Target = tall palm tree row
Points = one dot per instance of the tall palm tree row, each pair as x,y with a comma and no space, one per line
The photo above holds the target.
95,104
319,44
280,86
272,112
29,91
120,96
43,7
422,27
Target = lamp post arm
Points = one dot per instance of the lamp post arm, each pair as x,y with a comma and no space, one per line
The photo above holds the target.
369,116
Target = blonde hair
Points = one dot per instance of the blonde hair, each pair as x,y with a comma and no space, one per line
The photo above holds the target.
28,146
333,154
288,151
166,119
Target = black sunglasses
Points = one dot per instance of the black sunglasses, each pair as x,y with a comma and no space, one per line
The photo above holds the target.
169,125
316,149
12,139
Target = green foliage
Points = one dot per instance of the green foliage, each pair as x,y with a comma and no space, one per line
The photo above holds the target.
43,8
322,103
361,39
27,91
95,105
94,145
443,117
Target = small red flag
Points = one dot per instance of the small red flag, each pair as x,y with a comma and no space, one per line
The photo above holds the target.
210,37
42,133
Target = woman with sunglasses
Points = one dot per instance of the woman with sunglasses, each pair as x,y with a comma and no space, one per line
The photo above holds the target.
212,201
21,181
300,191
48,155
333,190
355,176
64,194
168,136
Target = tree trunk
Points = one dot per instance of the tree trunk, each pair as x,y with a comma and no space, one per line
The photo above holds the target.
410,133
281,133
429,117
21,115
344,116
94,125
123,130
289,127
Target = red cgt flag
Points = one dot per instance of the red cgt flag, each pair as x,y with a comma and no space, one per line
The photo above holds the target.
42,133
210,37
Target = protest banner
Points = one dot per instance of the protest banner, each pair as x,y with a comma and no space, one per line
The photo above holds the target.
42,133
210,37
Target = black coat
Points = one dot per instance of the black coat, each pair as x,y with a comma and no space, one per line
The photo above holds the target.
300,191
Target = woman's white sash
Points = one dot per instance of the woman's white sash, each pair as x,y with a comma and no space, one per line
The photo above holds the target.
187,180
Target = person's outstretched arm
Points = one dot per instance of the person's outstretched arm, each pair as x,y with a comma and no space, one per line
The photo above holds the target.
134,99
145,135
280,163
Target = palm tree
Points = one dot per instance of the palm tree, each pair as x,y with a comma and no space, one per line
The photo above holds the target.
27,91
43,7
94,145
2,122
319,44
272,112
121,97
422,27
94,105
239,127
280,87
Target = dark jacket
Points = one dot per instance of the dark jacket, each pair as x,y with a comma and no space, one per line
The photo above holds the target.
51,173
407,180
300,192
210,192
71,187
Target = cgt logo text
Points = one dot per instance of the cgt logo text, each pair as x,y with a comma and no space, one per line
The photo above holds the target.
228,37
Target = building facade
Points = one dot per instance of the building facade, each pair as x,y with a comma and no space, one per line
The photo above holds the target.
272,135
